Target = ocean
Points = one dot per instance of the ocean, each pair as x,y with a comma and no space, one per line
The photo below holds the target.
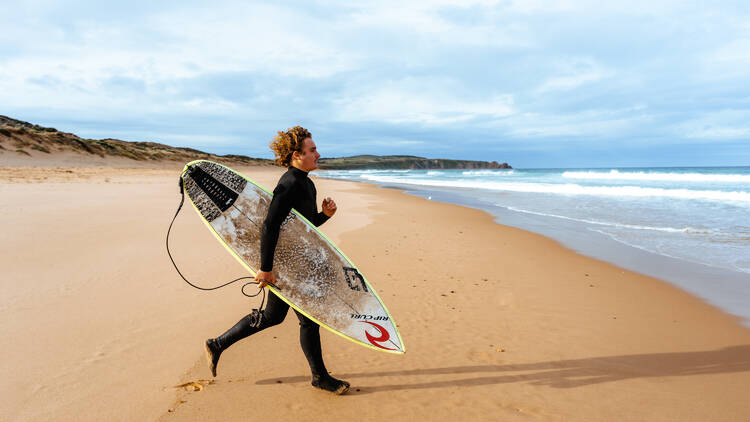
689,225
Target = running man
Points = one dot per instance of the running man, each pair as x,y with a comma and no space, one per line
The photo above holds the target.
296,150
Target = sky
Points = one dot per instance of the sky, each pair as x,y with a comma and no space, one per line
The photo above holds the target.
532,83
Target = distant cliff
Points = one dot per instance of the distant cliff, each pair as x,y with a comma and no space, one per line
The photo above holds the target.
404,162
23,138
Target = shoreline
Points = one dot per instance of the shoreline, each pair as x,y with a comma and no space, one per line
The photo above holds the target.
720,287
498,322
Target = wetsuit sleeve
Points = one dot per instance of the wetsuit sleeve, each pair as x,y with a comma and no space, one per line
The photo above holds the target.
320,218
281,205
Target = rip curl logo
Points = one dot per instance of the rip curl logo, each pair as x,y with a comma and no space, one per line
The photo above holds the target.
383,336
365,316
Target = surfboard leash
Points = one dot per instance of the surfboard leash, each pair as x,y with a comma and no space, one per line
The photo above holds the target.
261,290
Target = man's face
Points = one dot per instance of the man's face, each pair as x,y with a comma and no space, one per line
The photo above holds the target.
309,156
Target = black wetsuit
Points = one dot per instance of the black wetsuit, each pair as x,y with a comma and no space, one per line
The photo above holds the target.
294,190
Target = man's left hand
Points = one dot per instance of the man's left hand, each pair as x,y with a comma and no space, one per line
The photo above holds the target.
329,207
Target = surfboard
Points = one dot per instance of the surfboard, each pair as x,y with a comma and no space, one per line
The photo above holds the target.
312,275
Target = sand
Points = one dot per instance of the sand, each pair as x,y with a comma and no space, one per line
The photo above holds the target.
498,323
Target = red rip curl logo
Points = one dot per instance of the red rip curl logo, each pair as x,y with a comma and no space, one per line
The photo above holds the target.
384,336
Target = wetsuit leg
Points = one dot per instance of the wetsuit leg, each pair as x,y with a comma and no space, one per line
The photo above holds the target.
309,338
274,313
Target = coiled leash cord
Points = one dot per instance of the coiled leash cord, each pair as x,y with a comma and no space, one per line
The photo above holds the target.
256,316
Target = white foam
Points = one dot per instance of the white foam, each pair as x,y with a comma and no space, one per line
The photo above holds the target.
487,172
659,251
643,248
617,225
573,189
656,176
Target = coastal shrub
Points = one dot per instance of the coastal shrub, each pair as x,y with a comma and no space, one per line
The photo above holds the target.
40,148
128,154
106,145
84,146
5,132
19,150
50,129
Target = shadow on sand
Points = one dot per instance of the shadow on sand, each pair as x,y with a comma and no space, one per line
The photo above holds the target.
564,373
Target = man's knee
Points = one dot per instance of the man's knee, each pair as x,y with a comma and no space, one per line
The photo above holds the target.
308,324
272,318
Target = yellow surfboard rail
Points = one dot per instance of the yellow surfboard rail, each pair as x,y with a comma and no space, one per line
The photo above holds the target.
276,292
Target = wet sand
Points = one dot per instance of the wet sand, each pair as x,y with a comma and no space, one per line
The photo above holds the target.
498,323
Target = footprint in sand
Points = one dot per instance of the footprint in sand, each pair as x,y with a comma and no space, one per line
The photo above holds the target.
195,385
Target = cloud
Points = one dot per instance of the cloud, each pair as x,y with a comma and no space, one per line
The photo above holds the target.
575,73
710,132
258,37
730,60
462,74
438,23
722,125
600,125
427,101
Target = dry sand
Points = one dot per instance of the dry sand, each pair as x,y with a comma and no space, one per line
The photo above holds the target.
498,323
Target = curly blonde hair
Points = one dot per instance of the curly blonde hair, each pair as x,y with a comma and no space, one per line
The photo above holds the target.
285,143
